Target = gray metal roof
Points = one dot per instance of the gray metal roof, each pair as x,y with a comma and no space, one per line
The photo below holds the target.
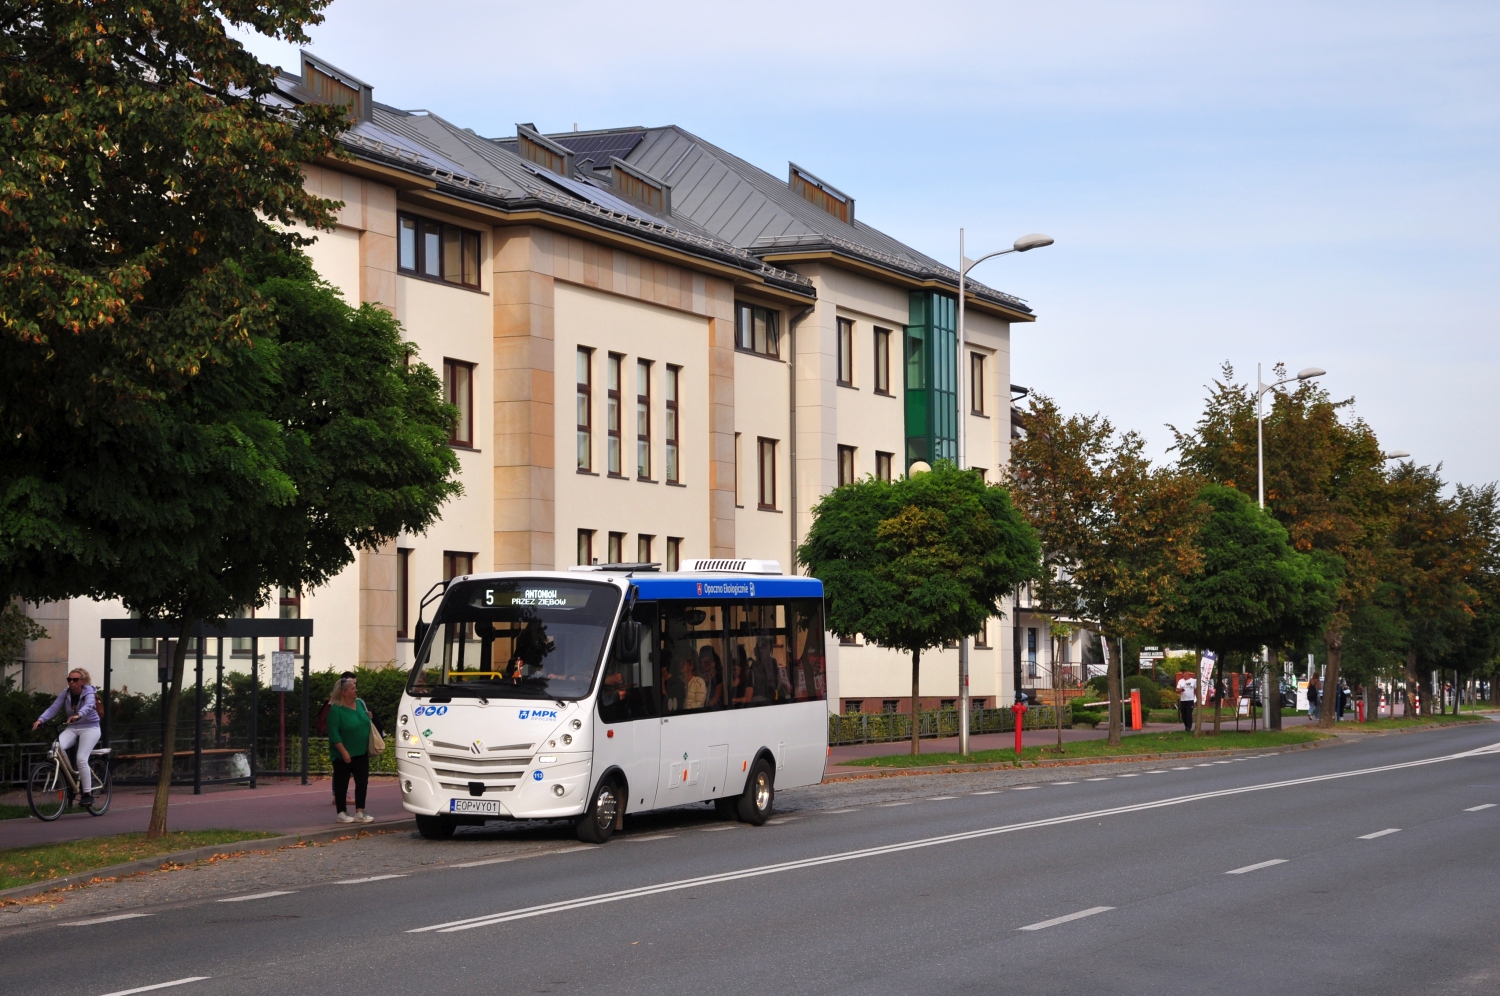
733,200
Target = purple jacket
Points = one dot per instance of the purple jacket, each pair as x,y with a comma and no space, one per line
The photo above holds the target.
88,713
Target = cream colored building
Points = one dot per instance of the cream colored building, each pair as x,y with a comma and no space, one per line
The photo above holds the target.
662,352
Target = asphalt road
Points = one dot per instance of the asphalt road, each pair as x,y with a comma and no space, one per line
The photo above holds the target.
1368,867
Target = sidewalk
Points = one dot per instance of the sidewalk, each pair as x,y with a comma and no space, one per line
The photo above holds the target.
284,807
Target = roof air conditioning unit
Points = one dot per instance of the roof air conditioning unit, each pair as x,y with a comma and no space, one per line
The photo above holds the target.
721,566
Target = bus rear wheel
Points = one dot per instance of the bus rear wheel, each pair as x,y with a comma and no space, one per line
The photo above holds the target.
597,824
759,797
435,827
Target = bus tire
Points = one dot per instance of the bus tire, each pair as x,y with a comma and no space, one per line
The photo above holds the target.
759,797
435,827
597,824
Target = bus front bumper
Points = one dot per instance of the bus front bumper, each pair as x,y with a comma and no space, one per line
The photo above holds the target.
544,792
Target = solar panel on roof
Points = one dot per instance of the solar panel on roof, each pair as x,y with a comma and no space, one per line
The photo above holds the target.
600,147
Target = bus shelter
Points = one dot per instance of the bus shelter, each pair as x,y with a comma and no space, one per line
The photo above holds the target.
219,630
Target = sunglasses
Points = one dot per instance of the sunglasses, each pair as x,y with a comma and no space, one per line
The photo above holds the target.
72,680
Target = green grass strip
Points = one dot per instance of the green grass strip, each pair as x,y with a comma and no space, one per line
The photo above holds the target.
1134,744
9,812
1406,722
24,865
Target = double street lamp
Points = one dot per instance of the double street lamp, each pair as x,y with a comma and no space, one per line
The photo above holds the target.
1025,243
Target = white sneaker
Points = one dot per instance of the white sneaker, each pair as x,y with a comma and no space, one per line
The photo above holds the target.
360,816
344,818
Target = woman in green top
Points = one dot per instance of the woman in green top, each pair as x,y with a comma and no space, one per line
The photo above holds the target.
349,745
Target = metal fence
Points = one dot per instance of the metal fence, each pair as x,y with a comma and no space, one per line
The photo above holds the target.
16,761
889,727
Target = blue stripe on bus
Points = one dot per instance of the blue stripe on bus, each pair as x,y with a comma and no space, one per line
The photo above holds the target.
731,586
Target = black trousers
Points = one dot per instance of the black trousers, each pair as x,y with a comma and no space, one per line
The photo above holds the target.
358,765
1186,708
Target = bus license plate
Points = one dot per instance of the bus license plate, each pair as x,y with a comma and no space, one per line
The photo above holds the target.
475,807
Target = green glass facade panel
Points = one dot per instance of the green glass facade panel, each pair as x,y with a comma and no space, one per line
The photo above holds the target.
930,348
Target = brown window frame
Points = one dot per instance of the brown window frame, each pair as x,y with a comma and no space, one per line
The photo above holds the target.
457,564
585,409
643,419
882,350
744,330
643,544
845,351
982,638
585,547
885,464
289,606
976,383
674,553
614,550
411,256
846,465
673,391
767,472
613,415
403,593
462,433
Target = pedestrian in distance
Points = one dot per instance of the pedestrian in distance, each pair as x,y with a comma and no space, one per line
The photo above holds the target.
1314,697
79,705
1187,698
349,736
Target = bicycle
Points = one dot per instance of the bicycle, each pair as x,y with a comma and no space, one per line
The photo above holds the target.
53,785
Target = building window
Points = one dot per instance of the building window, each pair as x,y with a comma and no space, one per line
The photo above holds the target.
289,602
240,645
883,462
403,594
738,464
643,548
976,383
854,706
1031,652
848,641
766,449
438,251
890,706
755,330
674,375
457,565
982,638
458,390
947,703
882,361
643,419
846,353
585,409
612,412
616,548
585,547
674,553
846,465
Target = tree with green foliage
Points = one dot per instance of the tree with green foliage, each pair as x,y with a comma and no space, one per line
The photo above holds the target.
16,630
1325,483
1116,532
916,563
1250,588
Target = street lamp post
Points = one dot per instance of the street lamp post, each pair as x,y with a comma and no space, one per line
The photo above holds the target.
1025,243
1261,387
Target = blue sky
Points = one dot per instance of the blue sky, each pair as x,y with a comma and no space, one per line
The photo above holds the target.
1312,183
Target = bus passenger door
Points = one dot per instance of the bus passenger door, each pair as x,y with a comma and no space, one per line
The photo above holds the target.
628,733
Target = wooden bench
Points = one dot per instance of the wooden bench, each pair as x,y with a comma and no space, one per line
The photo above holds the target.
156,755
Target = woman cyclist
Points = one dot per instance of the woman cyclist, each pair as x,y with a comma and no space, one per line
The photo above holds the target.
77,702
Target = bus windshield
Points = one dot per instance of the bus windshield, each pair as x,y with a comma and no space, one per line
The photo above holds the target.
517,637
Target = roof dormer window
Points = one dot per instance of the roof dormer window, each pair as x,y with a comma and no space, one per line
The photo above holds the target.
330,85
634,185
825,196
535,147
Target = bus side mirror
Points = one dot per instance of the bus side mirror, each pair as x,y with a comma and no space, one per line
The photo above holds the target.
420,633
628,642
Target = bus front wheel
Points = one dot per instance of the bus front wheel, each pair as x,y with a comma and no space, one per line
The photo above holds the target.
759,795
435,827
597,824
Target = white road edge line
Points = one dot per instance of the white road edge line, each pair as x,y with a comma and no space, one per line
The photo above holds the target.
258,895
940,798
506,916
654,836
831,812
372,878
1380,833
159,985
480,864
1257,866
103,919
987,792
1064,919
1475,809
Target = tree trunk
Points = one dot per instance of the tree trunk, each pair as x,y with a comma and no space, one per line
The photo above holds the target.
1202,698
1413,686
1270,693
1114,695
1333,642
916,702
158,826
1372,699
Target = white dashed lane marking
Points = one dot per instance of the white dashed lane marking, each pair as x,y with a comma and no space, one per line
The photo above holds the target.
1022,788
1064,919
1475,809
103,919
159,985
1096,779
1380,833
1062,783
654,836
1256,867
258,895
1130,774
1183,769
887,805
831,812
941,798
372,878
986,792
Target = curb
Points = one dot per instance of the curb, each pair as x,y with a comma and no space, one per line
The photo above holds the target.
959,769
200,853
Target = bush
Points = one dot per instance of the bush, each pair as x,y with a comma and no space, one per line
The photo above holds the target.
1149,689
1100,685
1082,716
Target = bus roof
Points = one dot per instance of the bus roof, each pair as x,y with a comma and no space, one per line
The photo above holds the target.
694,585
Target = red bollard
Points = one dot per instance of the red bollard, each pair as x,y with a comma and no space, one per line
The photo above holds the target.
1018,710
1135,709
1359,708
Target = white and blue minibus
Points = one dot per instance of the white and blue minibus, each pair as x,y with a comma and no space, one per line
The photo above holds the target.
589,693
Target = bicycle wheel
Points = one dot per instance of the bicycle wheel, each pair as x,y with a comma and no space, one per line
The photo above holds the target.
47,791
99,766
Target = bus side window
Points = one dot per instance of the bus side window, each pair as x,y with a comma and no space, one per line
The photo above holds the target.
628,691
692,668
758,653
809,666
